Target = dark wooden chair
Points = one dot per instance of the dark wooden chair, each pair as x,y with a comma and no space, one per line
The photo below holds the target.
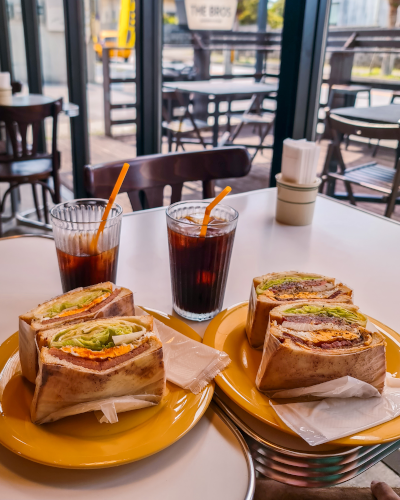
25,165
148,175
373,176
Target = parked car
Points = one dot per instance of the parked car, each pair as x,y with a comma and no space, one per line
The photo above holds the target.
109,39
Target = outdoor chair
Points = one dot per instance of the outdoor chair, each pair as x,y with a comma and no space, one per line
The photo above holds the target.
148,175
395,95
372,176
349,94
24,164
179,122
264,121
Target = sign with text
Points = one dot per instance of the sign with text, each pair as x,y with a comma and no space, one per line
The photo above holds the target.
211,14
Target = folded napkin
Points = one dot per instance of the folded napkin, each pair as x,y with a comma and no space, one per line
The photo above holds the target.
189,364
299,161
350,406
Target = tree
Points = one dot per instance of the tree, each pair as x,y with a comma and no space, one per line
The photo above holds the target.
275,14
247,12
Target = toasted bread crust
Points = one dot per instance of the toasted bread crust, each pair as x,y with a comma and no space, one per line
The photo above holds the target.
290,365
121,305
260,306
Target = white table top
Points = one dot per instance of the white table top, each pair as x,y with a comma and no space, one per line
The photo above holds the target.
356,247
225,88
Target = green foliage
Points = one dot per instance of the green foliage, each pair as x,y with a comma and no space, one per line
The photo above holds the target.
275,14
170,19
247,12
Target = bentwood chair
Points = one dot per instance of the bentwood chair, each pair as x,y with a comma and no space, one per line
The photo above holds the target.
25,165
148,175
373,176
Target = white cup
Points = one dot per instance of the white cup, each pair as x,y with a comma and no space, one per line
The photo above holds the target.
295,203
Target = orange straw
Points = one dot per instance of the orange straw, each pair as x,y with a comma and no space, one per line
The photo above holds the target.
110,203
215,202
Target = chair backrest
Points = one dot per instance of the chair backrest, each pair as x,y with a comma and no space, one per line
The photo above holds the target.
148,175
19,119
363,129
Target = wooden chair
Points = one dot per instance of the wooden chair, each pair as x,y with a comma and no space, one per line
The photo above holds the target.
148,175
183,125
371,175
25,165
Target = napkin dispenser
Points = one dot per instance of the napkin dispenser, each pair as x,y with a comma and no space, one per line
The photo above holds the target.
297,183
5,88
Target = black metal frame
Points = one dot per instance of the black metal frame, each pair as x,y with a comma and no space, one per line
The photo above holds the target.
262,27
33,56
108,105
303,46
76,71
5,47
148,76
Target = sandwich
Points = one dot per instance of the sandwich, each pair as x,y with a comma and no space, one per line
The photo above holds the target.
94,361
275,289
97,301
308,343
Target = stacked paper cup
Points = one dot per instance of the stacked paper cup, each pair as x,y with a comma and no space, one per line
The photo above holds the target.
5,88
297,183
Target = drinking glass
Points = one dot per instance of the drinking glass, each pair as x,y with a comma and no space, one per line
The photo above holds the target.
199,265
75,224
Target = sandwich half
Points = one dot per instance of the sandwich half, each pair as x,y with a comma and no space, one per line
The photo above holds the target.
308,343
97,301
95,361
275,289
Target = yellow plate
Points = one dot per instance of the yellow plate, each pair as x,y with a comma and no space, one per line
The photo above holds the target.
79,441
226,332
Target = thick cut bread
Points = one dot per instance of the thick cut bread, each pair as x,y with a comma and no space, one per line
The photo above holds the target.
260,305
293,359
120,304
63,384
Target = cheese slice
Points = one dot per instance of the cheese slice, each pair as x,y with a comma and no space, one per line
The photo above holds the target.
299,295
111,352
318,336
84,308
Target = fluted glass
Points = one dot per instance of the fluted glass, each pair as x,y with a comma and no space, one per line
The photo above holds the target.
199,265
75,224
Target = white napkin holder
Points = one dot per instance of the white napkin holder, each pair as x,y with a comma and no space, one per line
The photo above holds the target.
5,88
295,203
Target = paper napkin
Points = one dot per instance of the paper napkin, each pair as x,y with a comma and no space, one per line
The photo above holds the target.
350,406
189,364
299,161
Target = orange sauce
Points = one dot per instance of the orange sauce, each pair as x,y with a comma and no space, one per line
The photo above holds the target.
85,308
111,352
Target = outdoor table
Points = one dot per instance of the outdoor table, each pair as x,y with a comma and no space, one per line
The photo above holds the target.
19,101
357,247
223,91
389,114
